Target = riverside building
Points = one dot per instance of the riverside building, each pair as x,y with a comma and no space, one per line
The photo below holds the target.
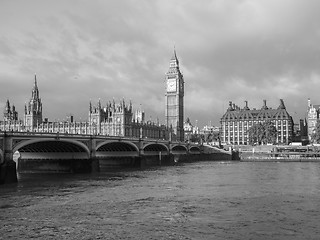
313,113
236,122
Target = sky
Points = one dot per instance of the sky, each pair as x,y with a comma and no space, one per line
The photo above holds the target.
229,50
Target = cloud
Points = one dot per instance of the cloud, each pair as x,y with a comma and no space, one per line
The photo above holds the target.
228,50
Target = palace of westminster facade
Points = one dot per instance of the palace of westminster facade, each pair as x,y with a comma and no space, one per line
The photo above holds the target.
113,119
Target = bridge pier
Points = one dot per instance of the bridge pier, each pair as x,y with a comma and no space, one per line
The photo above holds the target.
8,170
142,161
95,165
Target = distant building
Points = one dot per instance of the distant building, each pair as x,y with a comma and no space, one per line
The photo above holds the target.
312,117
10,115
211,134
236,122
207,129
139,116
189,129
301,132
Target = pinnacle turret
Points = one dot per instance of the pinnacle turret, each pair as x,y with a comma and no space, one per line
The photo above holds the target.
174,62
33,109
35,90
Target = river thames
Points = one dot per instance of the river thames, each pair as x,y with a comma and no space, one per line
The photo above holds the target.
202,200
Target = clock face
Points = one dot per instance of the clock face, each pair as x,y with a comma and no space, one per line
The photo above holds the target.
171,85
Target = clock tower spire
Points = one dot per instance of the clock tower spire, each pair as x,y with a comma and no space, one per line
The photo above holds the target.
174,98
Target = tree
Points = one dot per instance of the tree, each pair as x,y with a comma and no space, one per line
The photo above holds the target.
262,133
208,137
270,132
315,137
197,138
255,134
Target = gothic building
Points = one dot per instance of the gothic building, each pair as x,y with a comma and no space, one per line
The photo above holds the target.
10,115
33,110
111,120
236,122
118,120
174,99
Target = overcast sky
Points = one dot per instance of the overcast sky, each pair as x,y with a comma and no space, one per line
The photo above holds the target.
229,50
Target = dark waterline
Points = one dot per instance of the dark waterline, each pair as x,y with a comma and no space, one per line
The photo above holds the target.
203,200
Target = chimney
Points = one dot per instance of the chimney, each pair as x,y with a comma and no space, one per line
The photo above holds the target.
264,107
281,106
246,105
230,106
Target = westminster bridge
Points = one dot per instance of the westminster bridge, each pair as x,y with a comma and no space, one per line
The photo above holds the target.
84,153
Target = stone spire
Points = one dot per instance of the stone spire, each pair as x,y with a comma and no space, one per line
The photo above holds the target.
90,106
174,62
7,109
35,90
174,58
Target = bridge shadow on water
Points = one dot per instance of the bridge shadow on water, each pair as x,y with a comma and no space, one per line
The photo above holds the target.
38,183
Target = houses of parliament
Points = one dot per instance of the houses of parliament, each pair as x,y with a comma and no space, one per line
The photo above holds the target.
111,119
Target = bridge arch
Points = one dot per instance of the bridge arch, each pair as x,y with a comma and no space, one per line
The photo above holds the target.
117,149
179,148
116,146
194,149
155,147
52,155
49,145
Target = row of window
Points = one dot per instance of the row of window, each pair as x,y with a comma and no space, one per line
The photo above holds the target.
237,123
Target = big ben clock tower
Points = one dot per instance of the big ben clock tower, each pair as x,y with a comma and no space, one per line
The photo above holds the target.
174,98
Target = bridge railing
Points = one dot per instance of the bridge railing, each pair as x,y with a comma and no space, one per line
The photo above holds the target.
71,135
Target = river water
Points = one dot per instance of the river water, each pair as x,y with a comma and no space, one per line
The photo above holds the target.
202,200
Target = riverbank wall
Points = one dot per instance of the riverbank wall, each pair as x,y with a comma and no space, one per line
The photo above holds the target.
273,153
204,157
209,153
